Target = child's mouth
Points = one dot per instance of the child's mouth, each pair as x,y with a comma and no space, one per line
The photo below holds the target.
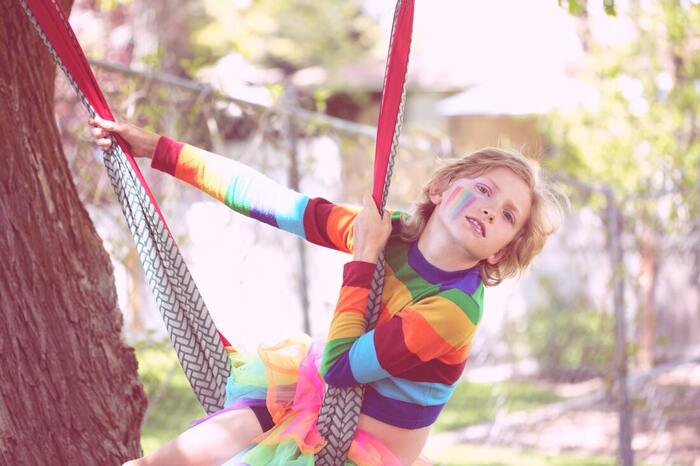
477,226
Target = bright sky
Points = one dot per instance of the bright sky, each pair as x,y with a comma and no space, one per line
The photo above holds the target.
520,56
477,40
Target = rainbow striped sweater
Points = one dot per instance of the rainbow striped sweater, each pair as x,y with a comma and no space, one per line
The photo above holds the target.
412,360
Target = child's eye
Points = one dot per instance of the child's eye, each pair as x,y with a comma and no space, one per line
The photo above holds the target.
509,217
482,189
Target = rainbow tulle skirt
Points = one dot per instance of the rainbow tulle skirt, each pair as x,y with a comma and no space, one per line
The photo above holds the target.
285,378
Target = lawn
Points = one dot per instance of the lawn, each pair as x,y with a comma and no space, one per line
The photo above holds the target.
172,403
173,406
474,403
472,455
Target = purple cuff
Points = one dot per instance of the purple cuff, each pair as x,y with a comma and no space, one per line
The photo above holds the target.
358,274
398,413
166,155
340,373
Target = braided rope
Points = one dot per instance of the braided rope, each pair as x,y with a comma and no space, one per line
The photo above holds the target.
186,317
340,411
205,362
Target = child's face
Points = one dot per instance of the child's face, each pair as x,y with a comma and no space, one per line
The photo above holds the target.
482,215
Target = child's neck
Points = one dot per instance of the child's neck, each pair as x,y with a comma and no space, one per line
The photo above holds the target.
439,249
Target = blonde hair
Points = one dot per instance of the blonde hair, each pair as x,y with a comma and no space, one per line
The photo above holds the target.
546,210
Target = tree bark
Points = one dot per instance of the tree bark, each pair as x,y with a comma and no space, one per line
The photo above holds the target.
69,393
647,320
294,181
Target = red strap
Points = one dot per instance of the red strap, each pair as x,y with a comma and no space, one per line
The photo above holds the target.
54,23
394,77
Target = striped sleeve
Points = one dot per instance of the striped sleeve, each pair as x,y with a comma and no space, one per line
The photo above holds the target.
434,329
250,193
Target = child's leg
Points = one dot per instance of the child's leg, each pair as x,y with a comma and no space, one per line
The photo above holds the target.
212,442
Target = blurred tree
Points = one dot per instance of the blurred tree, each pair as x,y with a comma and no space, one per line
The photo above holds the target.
580,7
571,339
166,48
70,393
287,34
642,137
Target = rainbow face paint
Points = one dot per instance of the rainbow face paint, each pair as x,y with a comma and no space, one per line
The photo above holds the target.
458,200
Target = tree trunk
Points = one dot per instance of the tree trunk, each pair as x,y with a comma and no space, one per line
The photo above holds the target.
647,320
624,402
69,392
294,181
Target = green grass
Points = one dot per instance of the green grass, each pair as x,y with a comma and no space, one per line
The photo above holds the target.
471,455
474,455
474,403
173,407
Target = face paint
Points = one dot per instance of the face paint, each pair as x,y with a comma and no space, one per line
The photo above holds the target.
458,200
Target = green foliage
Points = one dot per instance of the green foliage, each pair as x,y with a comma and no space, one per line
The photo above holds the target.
568,336
153,60
578,7
642,138
575,7
288,34
609,6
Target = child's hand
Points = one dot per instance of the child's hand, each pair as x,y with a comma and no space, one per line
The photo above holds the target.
371,231
143,143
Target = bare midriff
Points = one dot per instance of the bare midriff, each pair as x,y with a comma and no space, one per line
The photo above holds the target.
406,444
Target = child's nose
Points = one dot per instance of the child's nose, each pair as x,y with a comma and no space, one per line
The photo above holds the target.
488,215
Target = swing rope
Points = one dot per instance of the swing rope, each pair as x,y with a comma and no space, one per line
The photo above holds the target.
196,340
340,410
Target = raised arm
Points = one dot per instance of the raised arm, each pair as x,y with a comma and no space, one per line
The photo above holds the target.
240,187
253,194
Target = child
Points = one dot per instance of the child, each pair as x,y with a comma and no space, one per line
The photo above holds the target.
483,218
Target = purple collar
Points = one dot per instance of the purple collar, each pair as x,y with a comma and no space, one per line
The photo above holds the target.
468,280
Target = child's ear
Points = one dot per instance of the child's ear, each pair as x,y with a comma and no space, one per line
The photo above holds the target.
496,257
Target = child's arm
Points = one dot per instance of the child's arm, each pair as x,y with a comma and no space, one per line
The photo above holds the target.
251,193
238,186
434,328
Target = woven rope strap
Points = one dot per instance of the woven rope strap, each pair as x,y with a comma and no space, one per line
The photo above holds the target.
340,411
192,331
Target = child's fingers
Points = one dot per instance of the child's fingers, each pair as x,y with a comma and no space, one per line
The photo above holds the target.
104,143
98,132
108,125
